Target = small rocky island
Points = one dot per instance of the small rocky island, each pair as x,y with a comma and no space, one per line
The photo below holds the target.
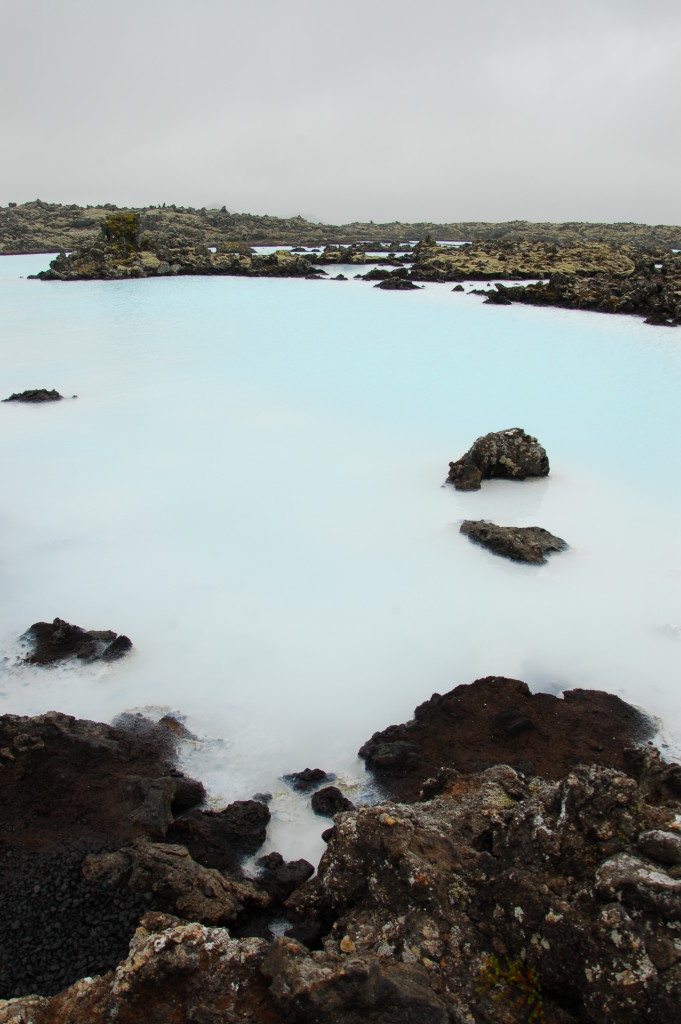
35,395
124,250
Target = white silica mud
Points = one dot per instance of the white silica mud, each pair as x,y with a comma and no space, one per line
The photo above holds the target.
249,486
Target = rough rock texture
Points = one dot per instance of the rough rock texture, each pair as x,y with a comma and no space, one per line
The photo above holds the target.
176,972
35,395
504,899
68,782
221,839
507,454
499,721
57,926
604,277
84,811
57,640
329,801
72,787
175,881
652,290
484,261
519,543
279,878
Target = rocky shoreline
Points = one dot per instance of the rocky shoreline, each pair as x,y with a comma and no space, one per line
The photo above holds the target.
523,865
595,276
515,827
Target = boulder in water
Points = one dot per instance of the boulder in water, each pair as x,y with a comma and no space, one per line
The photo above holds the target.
35,395
507,454
58,640
529,544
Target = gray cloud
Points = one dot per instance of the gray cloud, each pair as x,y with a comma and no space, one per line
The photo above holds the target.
363,110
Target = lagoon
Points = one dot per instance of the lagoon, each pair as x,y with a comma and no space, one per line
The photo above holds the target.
249,486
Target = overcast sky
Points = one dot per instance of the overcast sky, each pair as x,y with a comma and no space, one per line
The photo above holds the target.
353,110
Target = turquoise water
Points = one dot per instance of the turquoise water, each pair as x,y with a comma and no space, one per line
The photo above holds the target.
248,485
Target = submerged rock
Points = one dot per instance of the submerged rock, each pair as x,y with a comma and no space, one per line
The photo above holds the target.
507,454
520,543
35,395
393,283
58,640
308,779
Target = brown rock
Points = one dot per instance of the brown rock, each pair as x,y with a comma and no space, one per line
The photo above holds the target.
507,454
58,640
177,882
529,544
221,839
499,721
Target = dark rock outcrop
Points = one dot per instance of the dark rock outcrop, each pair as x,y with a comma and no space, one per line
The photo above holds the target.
221,839
57,640
279,877
499,902
512,902
329,801
308,779
519,543
652,291
499,721
506,454
394,283
175,882
35,395
86,846
70,788
502,899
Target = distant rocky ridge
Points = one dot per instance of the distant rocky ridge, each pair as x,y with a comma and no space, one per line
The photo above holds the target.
52,227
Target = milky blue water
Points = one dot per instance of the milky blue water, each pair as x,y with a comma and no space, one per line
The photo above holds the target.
248,485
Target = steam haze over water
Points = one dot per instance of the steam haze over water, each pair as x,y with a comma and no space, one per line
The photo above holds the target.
248,485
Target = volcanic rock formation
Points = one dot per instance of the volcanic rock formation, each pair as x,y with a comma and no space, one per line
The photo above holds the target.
507,454
519,543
